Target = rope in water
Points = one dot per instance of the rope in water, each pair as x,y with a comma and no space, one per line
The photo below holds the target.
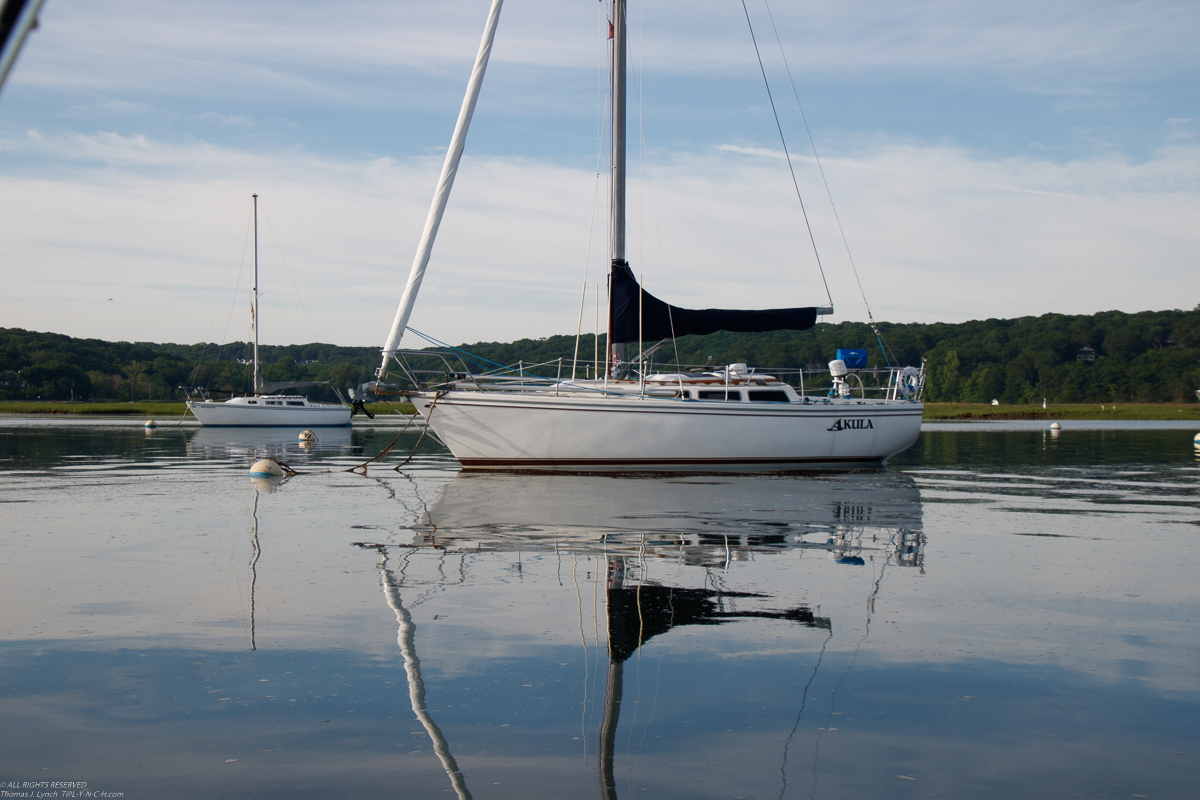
386,450
363,466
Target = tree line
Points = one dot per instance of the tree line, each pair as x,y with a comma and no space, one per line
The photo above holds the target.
51,366
1151,356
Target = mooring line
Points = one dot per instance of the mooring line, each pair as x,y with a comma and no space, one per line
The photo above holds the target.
382,453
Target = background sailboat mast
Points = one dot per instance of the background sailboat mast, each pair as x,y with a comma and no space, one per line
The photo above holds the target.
617,211
254,308
442,195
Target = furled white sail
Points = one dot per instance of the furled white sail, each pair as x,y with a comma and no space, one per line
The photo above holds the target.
438,207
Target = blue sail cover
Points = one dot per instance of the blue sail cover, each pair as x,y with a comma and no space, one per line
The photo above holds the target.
662,321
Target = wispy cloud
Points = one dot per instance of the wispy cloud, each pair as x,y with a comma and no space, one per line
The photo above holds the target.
937,232
133,135
220,47
1022,37
226,120
106,108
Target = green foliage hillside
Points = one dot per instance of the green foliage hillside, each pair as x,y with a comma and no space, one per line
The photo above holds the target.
1153,356
1148,357
50,366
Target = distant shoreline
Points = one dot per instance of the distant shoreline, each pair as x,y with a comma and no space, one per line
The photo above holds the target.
145,409
1061,411
933,411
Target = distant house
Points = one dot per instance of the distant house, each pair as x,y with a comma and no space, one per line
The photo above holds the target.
1085,353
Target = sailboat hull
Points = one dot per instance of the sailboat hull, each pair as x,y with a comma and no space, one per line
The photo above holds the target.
534,431
230,414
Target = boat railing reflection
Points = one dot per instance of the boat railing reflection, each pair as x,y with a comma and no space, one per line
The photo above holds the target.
704,520
845,544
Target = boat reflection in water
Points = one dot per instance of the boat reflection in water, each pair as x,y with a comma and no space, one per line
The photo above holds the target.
283,443
705,524
702,519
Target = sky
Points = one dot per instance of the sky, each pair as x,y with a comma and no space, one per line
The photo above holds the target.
984,160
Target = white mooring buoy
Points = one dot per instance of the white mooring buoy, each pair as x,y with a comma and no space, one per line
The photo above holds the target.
1196,439
266,468
1054,426
307,436
151,423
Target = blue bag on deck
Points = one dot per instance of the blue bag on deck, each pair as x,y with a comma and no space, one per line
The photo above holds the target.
855,359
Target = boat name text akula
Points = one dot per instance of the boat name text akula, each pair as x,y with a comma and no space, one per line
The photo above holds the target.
851,424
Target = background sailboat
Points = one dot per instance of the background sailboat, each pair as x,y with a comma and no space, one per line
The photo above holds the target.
273,410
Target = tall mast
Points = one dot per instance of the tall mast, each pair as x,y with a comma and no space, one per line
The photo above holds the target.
254,309
617,211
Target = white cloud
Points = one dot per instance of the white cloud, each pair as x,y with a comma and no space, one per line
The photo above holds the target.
355,51
310,49
1020,38
938,233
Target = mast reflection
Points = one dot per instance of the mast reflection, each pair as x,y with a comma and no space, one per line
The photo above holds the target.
639,612
706,525
261,486
407,639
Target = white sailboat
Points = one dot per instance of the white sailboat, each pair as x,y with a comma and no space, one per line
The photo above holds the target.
269,410
728,418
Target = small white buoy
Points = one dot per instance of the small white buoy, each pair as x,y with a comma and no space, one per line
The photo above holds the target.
1054,426
266,468
1196,438
151,423
307,436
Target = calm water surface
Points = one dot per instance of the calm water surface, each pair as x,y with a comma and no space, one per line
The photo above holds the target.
1001,613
